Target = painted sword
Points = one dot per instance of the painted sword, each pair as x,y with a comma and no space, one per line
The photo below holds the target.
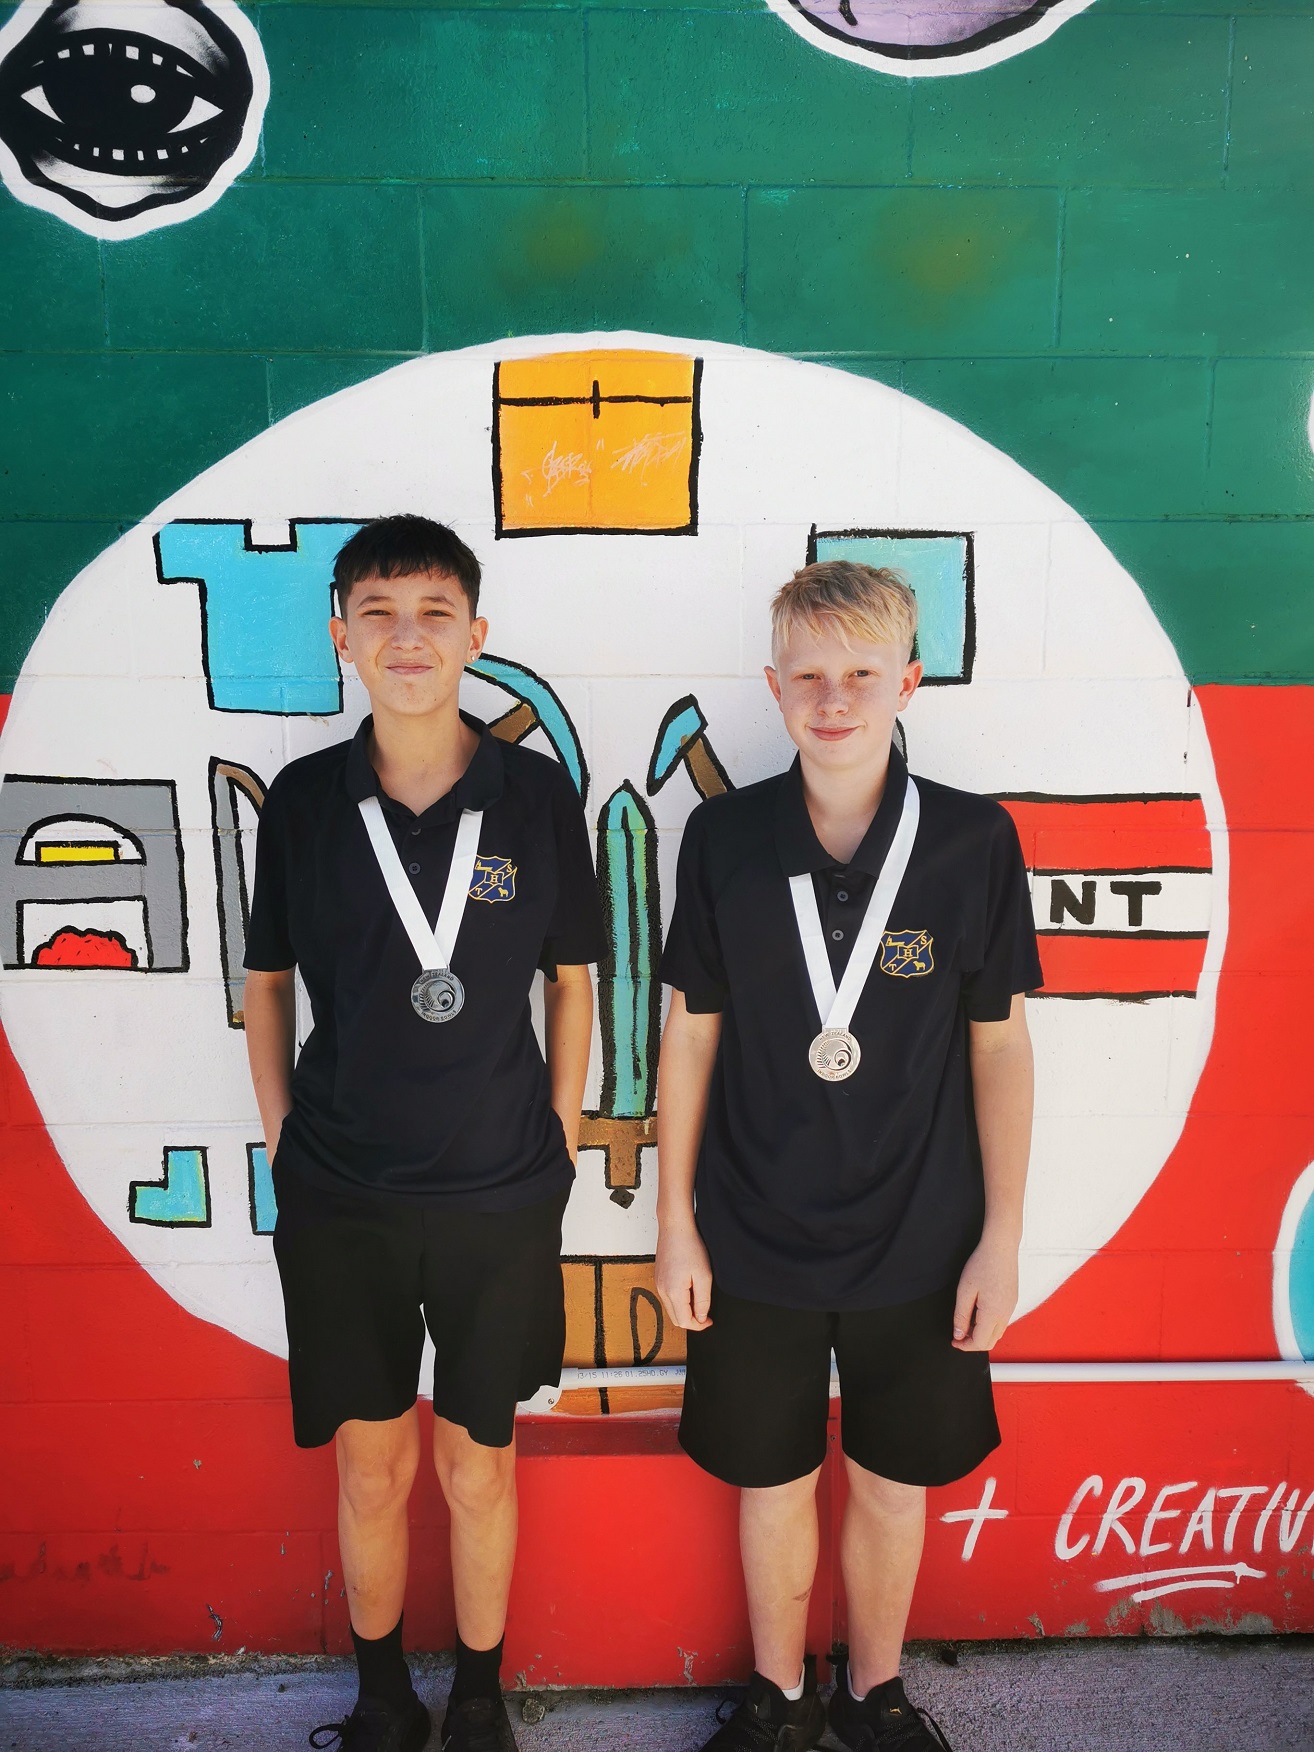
629,994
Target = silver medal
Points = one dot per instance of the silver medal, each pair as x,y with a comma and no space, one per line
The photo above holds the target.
834,1055
438,995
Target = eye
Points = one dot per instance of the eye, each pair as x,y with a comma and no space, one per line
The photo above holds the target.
119,120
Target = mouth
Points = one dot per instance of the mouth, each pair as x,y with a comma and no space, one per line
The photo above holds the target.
831,733
408,668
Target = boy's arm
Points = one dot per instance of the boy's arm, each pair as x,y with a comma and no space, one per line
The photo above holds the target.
684,1077
568,1032
1002,1093
269,1011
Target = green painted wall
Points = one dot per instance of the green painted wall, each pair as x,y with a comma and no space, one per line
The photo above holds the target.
1098,255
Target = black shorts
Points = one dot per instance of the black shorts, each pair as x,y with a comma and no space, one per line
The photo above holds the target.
912,1408
362,1278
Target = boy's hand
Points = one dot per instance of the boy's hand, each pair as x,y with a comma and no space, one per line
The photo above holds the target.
987,1295
684,1278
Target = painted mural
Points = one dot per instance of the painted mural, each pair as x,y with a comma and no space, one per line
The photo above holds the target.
122,115
670,307
926,37
1034,639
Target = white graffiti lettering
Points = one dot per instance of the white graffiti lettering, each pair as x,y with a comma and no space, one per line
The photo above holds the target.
976,1518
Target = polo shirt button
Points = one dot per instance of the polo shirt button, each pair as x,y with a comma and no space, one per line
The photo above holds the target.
414,832
842,894
837,936
415,869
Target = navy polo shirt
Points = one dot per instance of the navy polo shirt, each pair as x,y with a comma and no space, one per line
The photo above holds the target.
869,1192
456,1113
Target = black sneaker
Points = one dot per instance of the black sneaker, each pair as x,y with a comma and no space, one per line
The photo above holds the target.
884,1721
767,1721
480,1724
374,1727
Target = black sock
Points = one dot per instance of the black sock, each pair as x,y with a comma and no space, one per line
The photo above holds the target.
478,1673
384,1674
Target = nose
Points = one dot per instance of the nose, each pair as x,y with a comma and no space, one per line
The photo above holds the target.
406,632
833,700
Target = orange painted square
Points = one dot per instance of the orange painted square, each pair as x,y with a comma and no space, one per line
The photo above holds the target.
602,441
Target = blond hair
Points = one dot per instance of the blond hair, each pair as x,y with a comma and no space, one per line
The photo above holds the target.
872,603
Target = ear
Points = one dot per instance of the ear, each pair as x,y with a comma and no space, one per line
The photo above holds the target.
478,633
773,682
338,634
912,675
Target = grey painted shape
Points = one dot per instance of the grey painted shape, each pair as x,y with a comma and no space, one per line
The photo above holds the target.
145,808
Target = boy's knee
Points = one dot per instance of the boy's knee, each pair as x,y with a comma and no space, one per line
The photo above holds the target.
885,1496
476,1480
375,1483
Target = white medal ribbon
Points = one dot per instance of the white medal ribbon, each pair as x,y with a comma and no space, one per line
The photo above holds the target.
835,1006
434,947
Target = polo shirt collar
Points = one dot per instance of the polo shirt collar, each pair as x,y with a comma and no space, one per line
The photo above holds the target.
801,852
478,786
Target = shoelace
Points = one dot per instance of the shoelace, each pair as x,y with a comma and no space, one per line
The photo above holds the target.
337,1731
752,1731
478,1717
906,1734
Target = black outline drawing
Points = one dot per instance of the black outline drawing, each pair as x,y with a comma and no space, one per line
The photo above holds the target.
145,880
162,1185
708,777
64,864
227,777
1131,934
622,1135
171,164
984,39
295,524
251,1150
638,1355
964,676
597,399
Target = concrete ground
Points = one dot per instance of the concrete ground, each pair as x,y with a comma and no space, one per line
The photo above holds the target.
1234,1695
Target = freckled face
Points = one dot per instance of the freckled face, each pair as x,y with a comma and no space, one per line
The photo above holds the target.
839,699
410,639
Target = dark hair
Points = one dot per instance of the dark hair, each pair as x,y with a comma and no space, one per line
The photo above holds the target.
402,547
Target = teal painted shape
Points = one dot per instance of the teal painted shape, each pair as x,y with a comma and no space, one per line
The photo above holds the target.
264,1205
936,567
629,993
551,714
1300,1283
180,1200
265,612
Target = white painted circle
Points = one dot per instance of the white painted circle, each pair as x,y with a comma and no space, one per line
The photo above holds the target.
1075,691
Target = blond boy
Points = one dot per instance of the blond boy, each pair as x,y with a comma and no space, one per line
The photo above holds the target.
844,1125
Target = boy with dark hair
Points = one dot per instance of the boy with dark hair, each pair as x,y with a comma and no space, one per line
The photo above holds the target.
423,1152
845,1082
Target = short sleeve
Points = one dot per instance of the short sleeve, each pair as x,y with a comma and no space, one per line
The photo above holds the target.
576,933
1011,961
692,961
268,943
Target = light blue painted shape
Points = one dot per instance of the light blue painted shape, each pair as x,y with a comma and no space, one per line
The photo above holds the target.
181,1200
935,567
627,877
264,1206
681,729
1301,1282
535,692
265,632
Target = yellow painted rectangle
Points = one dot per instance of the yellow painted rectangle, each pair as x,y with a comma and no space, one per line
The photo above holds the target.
576,453
50,853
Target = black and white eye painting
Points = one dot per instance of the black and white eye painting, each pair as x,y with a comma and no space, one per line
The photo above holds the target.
122,115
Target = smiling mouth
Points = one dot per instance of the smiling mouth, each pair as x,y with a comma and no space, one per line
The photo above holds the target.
833,733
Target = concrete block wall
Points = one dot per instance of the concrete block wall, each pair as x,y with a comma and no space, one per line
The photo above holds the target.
1095,256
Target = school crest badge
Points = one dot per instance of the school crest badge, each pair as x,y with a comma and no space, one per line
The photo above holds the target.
906,953
494,879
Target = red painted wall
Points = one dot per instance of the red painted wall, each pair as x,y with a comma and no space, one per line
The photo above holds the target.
151,1498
